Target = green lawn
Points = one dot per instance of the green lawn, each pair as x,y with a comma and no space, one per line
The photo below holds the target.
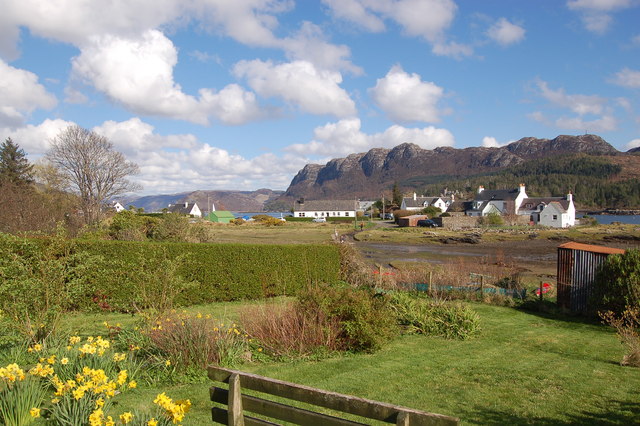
524,368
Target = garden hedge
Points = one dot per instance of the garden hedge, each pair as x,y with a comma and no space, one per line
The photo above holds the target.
219,272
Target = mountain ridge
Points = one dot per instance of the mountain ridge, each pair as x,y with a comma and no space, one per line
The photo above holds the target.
367,174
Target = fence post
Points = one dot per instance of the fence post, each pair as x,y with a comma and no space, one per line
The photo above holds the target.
236,418
481,287
430,282
541,297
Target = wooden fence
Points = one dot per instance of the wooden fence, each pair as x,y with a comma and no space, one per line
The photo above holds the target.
237,402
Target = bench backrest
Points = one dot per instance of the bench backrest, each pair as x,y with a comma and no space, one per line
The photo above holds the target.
238,402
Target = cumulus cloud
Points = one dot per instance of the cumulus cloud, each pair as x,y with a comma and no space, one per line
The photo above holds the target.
20,94
627,78
505,33
426,19
299,83
635,143
405,97
605,123
579,104
138,73
596,14
35,139
346,137
491,142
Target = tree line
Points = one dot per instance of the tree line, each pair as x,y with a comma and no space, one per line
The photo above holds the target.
592,181
70,185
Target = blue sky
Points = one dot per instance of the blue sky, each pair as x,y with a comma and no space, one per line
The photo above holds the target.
218,94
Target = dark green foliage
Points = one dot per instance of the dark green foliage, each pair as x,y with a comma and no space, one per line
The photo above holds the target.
590,179
448,320
432,211
396,195
617,284
492,219
366,319
222,271
14,166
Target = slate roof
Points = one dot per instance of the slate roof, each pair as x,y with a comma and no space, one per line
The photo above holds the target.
536,201
419,201
325,205
180,208
498,194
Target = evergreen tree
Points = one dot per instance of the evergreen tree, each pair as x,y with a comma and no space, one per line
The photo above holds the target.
396,195
14,166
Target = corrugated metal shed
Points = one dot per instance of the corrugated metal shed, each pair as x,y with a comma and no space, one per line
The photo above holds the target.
577,267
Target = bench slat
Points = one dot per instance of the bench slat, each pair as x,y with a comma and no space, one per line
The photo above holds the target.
334,401
218,415
280,411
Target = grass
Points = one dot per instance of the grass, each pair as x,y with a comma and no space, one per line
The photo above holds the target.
289,233
523,368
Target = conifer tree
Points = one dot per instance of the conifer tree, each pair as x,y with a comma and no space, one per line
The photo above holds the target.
14,166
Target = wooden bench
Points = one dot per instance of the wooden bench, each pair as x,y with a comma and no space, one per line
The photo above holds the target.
237,402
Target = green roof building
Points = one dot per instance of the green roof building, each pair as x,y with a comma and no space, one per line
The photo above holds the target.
221,216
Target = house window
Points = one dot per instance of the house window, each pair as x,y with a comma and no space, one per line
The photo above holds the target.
346,213
555,217
316,213
301,214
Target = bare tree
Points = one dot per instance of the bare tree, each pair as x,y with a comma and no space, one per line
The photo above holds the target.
93,168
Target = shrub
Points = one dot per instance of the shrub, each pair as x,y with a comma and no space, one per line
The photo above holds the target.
617,283
41,279
492,219
627,326
195,341
448,320
365,318
286,330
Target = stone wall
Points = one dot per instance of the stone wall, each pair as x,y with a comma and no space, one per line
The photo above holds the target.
457,222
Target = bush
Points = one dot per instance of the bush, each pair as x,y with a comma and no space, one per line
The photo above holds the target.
627,326
492,219
617,283
365,318
286,330
448,320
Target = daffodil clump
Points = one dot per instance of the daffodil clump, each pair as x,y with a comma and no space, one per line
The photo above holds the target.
74,385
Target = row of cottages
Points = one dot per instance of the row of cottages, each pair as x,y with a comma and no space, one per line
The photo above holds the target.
325,208
557,212
416,203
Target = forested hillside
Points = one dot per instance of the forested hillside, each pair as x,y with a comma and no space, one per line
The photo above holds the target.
594,181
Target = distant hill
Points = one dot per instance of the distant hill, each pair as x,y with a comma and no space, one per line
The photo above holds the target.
242,201
366,175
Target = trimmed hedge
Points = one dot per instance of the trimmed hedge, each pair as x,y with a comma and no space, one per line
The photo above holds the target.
206,272
224,271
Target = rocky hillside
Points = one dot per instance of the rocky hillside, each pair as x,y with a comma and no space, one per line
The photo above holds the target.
367,174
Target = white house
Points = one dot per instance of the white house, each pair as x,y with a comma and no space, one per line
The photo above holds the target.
117,207
557,212
501,201
418,203
185,208
325,208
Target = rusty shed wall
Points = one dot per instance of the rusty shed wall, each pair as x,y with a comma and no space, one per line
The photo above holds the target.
576,275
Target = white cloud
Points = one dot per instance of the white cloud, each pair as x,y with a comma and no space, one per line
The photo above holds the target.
35,139
491,142
309,44
20,94
505,33
300,83
580,104
627,78
74,96
345,137
405,97
355,11
426,19
635,143
138,73
605,123
596,14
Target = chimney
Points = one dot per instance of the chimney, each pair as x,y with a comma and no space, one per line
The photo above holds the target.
453,197
186,204
570,197
415,197
480,189
522,187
